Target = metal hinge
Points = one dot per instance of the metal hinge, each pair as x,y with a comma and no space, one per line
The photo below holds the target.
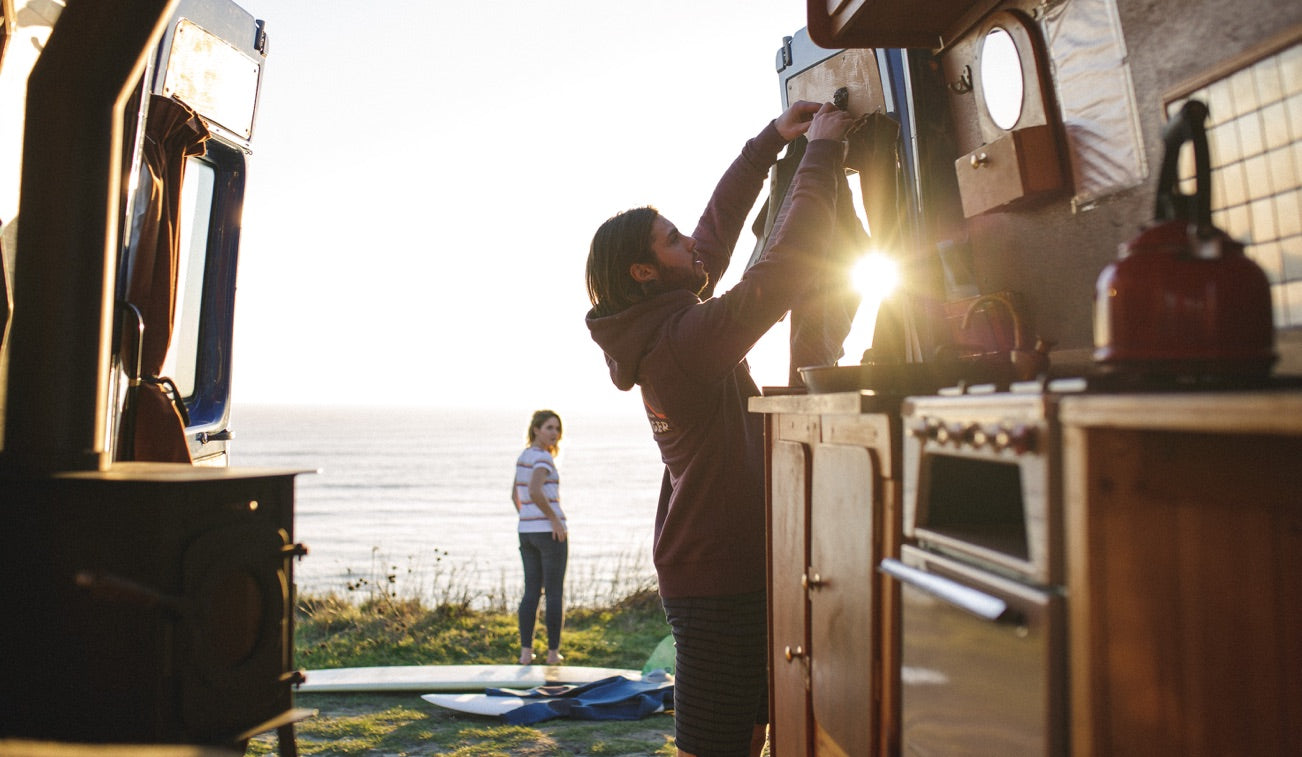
784,55
260,38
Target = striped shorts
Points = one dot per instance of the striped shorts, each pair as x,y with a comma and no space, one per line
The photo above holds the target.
720,672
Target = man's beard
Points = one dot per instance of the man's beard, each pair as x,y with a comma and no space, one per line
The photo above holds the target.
671,279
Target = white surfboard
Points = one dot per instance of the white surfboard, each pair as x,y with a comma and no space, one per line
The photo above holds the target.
448,678
475,704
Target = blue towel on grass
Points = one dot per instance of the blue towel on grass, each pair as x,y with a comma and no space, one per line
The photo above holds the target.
613,698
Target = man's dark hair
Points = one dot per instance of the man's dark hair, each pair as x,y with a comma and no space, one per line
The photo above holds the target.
620,242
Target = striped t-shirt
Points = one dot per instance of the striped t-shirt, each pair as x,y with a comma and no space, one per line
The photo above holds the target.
532,519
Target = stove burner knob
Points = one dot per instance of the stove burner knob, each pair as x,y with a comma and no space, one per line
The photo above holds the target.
978,437
1020,438
940,434
926,429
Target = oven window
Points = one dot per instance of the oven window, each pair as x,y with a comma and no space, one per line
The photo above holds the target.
976,501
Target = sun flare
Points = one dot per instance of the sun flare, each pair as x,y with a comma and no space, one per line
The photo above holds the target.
874,276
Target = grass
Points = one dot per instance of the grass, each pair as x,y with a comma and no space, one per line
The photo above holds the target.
332,632
405,725
380,627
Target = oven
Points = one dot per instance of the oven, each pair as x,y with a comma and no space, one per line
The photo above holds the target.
982,660
981,577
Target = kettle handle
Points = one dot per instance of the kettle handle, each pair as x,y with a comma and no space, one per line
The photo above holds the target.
1187,126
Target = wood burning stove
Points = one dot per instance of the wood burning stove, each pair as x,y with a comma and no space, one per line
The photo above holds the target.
147,604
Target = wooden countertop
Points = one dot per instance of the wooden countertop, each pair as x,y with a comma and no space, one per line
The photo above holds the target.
1262,412
1248,412
835,403
178,472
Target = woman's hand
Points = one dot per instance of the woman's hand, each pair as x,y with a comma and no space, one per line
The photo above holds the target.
558,529
830,122
796,119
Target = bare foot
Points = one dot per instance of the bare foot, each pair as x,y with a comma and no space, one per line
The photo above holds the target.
526,657
554,657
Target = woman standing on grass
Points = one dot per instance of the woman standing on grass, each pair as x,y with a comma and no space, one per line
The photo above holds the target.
544,548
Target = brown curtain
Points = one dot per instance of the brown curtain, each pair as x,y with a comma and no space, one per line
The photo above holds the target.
156,432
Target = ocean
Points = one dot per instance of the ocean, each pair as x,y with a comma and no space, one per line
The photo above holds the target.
416,501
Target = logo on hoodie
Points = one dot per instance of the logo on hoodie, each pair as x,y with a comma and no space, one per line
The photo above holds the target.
659,421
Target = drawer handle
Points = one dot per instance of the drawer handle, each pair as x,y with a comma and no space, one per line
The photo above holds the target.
963,597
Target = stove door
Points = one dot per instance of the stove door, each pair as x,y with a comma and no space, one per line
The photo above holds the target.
982,661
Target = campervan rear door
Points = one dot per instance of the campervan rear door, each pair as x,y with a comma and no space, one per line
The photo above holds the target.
211,59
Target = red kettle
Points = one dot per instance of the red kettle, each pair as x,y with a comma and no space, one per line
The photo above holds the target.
1183,300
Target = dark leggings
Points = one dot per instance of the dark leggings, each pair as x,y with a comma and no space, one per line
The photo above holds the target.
544,572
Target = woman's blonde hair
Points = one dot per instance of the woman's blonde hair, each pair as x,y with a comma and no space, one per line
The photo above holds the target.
539,418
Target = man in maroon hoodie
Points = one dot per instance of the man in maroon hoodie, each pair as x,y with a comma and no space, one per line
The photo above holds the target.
646,281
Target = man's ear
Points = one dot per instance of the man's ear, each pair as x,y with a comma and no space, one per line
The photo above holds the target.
642,272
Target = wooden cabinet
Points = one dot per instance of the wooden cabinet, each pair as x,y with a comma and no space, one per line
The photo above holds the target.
833,489
891,23
1184,538
1016,168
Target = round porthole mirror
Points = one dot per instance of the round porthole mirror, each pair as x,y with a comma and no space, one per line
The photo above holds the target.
1001,78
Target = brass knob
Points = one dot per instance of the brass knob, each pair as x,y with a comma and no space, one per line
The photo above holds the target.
792,654
814,581
980,159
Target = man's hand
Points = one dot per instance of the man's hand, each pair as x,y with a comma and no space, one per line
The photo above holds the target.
796,119
830,122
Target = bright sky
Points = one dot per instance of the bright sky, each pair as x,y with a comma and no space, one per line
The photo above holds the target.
427,176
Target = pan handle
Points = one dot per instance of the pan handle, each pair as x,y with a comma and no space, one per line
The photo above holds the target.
952,592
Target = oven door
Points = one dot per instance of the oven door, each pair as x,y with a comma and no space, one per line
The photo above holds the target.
982,661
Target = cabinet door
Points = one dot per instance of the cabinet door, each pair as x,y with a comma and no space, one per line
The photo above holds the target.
789,612
843,624
1185,567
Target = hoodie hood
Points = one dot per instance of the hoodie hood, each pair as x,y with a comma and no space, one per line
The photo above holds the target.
629,336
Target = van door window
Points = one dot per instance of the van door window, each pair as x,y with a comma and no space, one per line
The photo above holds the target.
196,210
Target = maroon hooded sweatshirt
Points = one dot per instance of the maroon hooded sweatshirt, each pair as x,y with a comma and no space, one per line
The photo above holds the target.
688,356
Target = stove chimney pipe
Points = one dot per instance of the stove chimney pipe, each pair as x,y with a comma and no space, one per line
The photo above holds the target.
65,270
